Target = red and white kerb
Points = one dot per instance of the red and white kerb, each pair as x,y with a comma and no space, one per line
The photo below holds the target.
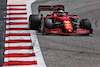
18,43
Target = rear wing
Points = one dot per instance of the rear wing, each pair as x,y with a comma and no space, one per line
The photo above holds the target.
50,8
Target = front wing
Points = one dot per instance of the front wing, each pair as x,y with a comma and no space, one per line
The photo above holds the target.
59,31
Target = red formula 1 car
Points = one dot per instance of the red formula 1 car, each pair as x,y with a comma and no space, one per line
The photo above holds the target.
59,22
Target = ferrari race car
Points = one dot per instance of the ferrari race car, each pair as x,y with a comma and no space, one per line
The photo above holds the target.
59,22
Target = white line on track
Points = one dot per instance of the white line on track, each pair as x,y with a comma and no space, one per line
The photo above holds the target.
16,21
37,49
22,11
18,38
17,31
18,51
16,7
17,26
9,16
18,44
20,59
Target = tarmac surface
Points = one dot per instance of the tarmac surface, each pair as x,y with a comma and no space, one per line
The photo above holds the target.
72,51
3,4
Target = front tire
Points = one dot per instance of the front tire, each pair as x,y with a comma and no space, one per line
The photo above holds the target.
85,24
48,23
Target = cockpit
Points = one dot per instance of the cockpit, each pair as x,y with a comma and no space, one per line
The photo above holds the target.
61,13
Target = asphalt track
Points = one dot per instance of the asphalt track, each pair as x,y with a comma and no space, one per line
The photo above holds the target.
72,51
3,4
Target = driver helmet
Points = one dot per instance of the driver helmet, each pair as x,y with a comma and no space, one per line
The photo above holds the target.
61,11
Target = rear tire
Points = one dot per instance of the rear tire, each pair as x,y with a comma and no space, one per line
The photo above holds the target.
34,21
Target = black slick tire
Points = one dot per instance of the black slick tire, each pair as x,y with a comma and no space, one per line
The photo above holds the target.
85,24
48,23
34,21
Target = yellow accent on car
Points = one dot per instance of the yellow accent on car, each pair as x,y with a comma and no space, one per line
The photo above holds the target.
67,24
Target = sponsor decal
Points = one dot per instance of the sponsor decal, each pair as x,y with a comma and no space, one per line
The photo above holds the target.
68,25
54,32
67,22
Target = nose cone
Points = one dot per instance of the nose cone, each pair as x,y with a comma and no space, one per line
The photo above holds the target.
68,26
